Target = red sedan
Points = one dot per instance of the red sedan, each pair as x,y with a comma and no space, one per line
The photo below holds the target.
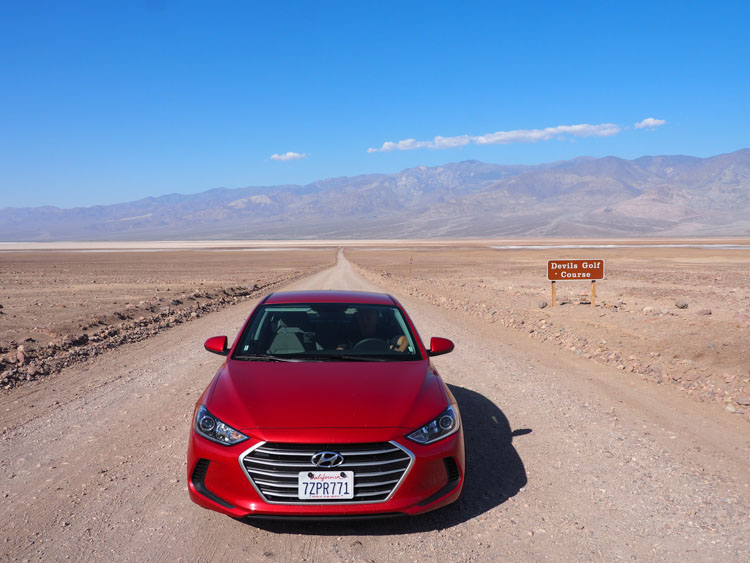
327,405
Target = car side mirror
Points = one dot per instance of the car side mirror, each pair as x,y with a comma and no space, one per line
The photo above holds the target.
217,345
440,346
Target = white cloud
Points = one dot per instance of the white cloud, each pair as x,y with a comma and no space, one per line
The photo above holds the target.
649,123
450,142
289,156
505,137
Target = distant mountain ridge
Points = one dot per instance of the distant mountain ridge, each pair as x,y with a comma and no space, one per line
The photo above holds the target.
585,196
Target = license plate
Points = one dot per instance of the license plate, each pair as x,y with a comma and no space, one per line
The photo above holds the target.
326,485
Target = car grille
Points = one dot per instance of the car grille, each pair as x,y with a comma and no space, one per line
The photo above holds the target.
378,469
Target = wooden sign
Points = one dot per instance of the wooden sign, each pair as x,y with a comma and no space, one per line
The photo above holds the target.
564,270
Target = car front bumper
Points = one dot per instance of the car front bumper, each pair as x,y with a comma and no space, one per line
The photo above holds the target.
218,480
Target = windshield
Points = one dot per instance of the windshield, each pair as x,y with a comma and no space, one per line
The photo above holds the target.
328,332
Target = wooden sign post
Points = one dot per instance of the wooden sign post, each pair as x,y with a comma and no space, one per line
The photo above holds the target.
411,261
562,270
554,295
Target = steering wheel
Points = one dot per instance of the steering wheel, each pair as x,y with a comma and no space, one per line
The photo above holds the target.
371,345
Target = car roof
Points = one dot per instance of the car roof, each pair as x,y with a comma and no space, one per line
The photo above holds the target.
329,296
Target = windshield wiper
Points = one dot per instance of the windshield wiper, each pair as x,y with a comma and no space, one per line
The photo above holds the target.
307,358
264,358
344,358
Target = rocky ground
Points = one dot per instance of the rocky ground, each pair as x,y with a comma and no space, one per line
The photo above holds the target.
569,460
61,308
673,316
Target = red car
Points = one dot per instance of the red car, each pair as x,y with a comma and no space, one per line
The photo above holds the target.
327,405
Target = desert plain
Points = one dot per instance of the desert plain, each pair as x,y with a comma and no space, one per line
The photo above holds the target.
674,312
594,432
63,306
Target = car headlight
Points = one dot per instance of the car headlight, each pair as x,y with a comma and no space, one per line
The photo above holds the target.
208,426
445,424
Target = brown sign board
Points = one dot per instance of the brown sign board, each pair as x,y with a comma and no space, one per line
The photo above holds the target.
566,270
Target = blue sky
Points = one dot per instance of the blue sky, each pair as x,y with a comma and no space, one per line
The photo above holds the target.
103,102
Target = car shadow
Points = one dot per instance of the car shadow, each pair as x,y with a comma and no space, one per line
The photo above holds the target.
494,474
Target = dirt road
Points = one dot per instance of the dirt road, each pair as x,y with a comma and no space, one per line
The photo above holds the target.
567,461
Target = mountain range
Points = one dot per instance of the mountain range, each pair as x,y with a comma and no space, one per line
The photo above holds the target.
596,197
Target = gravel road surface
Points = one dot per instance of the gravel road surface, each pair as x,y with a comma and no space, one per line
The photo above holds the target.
567,461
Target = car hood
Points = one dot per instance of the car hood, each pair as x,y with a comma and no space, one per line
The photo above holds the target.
270,395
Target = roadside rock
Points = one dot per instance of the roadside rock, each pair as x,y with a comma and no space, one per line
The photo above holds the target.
28,363
697,377
21,355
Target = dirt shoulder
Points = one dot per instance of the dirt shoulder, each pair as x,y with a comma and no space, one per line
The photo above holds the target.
637,325
60,308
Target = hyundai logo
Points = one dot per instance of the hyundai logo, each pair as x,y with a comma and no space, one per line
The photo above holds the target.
327,459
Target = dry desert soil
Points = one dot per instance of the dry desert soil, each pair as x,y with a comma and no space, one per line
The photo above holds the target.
61,307
674,316
607,432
